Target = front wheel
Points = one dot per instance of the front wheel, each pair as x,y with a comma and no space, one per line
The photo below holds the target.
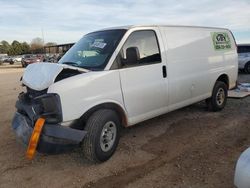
101,140
219,97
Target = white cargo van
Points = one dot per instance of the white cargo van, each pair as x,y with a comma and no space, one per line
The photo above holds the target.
119,77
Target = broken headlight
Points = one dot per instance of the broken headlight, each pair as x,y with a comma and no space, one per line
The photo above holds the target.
50,107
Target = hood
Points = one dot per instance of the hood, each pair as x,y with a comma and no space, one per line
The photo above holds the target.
40,76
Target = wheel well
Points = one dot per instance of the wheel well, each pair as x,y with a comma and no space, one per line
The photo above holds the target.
224,78
247,63
111,106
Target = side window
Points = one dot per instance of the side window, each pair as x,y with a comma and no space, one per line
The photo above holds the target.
140,48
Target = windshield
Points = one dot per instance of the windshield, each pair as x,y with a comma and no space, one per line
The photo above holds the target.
94,50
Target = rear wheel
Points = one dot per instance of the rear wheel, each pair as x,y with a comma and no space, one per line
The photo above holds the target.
247,68
219,97
101,140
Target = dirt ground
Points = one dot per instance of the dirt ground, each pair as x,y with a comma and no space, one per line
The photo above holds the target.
190,147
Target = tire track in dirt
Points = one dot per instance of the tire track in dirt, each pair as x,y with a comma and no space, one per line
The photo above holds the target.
182,139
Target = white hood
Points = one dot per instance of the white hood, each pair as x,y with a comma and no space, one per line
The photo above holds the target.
40,76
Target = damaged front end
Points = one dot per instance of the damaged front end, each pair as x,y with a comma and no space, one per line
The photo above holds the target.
54,137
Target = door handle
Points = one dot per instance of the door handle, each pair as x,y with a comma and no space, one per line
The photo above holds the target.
164,71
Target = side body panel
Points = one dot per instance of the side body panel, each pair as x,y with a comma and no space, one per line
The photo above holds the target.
194,65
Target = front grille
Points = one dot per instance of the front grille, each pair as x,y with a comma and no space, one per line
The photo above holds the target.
28,105
34,93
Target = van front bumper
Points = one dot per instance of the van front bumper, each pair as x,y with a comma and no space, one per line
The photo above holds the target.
53,139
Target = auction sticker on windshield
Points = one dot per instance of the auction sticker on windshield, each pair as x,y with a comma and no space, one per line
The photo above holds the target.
221,41
98,44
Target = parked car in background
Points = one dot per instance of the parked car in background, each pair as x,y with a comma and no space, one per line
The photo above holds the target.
3,59
16,59
52,58
40,56
10,59
7,59
244,57
29,59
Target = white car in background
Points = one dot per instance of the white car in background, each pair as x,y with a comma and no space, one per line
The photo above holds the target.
17,58
3,58
242,172
244,57
10,59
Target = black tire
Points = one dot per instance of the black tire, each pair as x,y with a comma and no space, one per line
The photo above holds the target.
247,68
92,144
219,97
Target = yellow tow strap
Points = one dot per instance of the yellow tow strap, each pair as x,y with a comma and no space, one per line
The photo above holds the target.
35,138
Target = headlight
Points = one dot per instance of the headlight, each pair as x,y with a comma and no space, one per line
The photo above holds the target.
50,107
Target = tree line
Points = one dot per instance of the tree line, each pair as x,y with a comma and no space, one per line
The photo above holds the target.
19,48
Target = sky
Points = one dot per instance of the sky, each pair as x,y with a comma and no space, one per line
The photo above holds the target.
66,21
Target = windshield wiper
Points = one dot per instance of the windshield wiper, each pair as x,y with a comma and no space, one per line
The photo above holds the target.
70,63
73,64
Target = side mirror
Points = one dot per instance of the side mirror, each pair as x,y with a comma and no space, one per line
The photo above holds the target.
132,55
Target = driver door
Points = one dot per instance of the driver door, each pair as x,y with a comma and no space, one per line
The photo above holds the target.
143,76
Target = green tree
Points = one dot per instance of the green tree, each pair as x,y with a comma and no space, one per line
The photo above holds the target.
25,48
4,47
16,48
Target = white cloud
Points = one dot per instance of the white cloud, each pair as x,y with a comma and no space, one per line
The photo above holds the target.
66,21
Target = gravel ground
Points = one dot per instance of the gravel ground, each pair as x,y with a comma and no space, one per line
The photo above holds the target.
190,147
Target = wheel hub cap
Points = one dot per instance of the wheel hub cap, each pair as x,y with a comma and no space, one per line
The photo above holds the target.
220,97
108,136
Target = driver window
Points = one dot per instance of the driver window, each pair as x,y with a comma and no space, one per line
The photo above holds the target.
140,48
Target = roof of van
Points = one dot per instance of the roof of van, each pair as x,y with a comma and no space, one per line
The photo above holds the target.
134,26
